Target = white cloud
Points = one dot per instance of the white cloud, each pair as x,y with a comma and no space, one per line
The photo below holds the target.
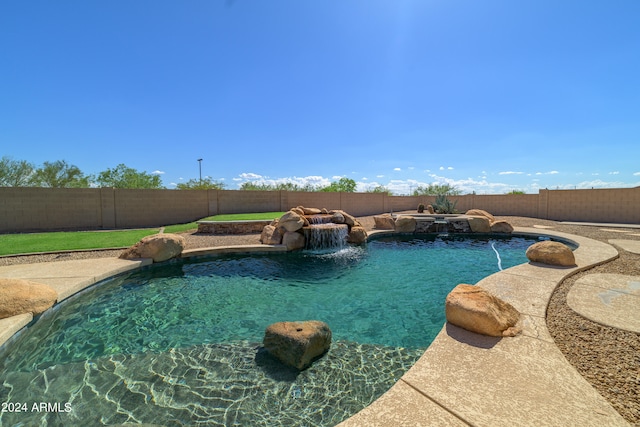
337,177
614,173
157,172
636,174
397,169
510,173
447,168
382,176
250,175
547,173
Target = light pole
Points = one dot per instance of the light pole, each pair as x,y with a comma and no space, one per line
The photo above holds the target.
200,168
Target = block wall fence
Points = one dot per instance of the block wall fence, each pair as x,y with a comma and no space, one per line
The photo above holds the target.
40,209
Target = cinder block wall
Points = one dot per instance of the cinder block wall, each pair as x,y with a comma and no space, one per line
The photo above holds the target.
597,205
27,208
39,209
149,208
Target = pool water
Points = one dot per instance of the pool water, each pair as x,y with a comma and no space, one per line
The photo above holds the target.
178,343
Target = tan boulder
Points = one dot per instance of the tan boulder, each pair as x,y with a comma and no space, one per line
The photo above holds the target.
291,221
384,222
297,344
350,220
271,235
405,224
297,210
552,253
479,224
293,240
501,227
159,247
357,235
480,212
430,209
311,211
19,296
476,310
337,218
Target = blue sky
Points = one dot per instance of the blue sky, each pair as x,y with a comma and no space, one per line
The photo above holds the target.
489,96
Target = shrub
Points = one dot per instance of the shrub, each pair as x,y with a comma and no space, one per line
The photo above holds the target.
443,205
421,208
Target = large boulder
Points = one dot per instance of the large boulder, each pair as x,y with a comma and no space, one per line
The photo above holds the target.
476,310
350,220
479,224
405,224
357,235
552,253
271,235
480,212
337,218
19,296
384,222
293,240
159,247
501,227
297,344
310,211
291,221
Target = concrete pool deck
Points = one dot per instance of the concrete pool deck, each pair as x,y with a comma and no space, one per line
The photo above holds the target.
463,378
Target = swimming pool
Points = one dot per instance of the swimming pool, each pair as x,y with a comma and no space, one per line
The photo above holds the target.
178,344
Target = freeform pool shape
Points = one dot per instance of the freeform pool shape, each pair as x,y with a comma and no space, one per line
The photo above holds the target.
178,344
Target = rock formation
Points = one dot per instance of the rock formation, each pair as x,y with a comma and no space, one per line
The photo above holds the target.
384,222
297,344
19,296
159,247
292,228
551,253
476,310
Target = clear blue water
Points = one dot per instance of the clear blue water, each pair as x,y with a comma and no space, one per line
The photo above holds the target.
383,300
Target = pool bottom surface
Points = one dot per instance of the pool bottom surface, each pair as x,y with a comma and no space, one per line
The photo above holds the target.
177,344
209,385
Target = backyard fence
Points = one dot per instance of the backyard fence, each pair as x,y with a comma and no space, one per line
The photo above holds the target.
40,209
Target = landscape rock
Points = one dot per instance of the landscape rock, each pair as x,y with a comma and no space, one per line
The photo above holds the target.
480,212
479,224
337,218
159,247
293,240
430,209
405,224
271,235
350,220
19,296
551,253
501,227
476,310
384,222
311,211
291,221
357,235
297,344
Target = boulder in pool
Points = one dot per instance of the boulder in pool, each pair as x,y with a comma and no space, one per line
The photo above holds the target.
551,253
297,344
19,296
476,310
159,247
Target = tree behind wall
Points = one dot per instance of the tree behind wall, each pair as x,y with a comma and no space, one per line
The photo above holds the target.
16,173
125,177
60,174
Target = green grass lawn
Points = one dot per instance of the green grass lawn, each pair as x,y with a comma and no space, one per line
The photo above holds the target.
69,240
24,243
